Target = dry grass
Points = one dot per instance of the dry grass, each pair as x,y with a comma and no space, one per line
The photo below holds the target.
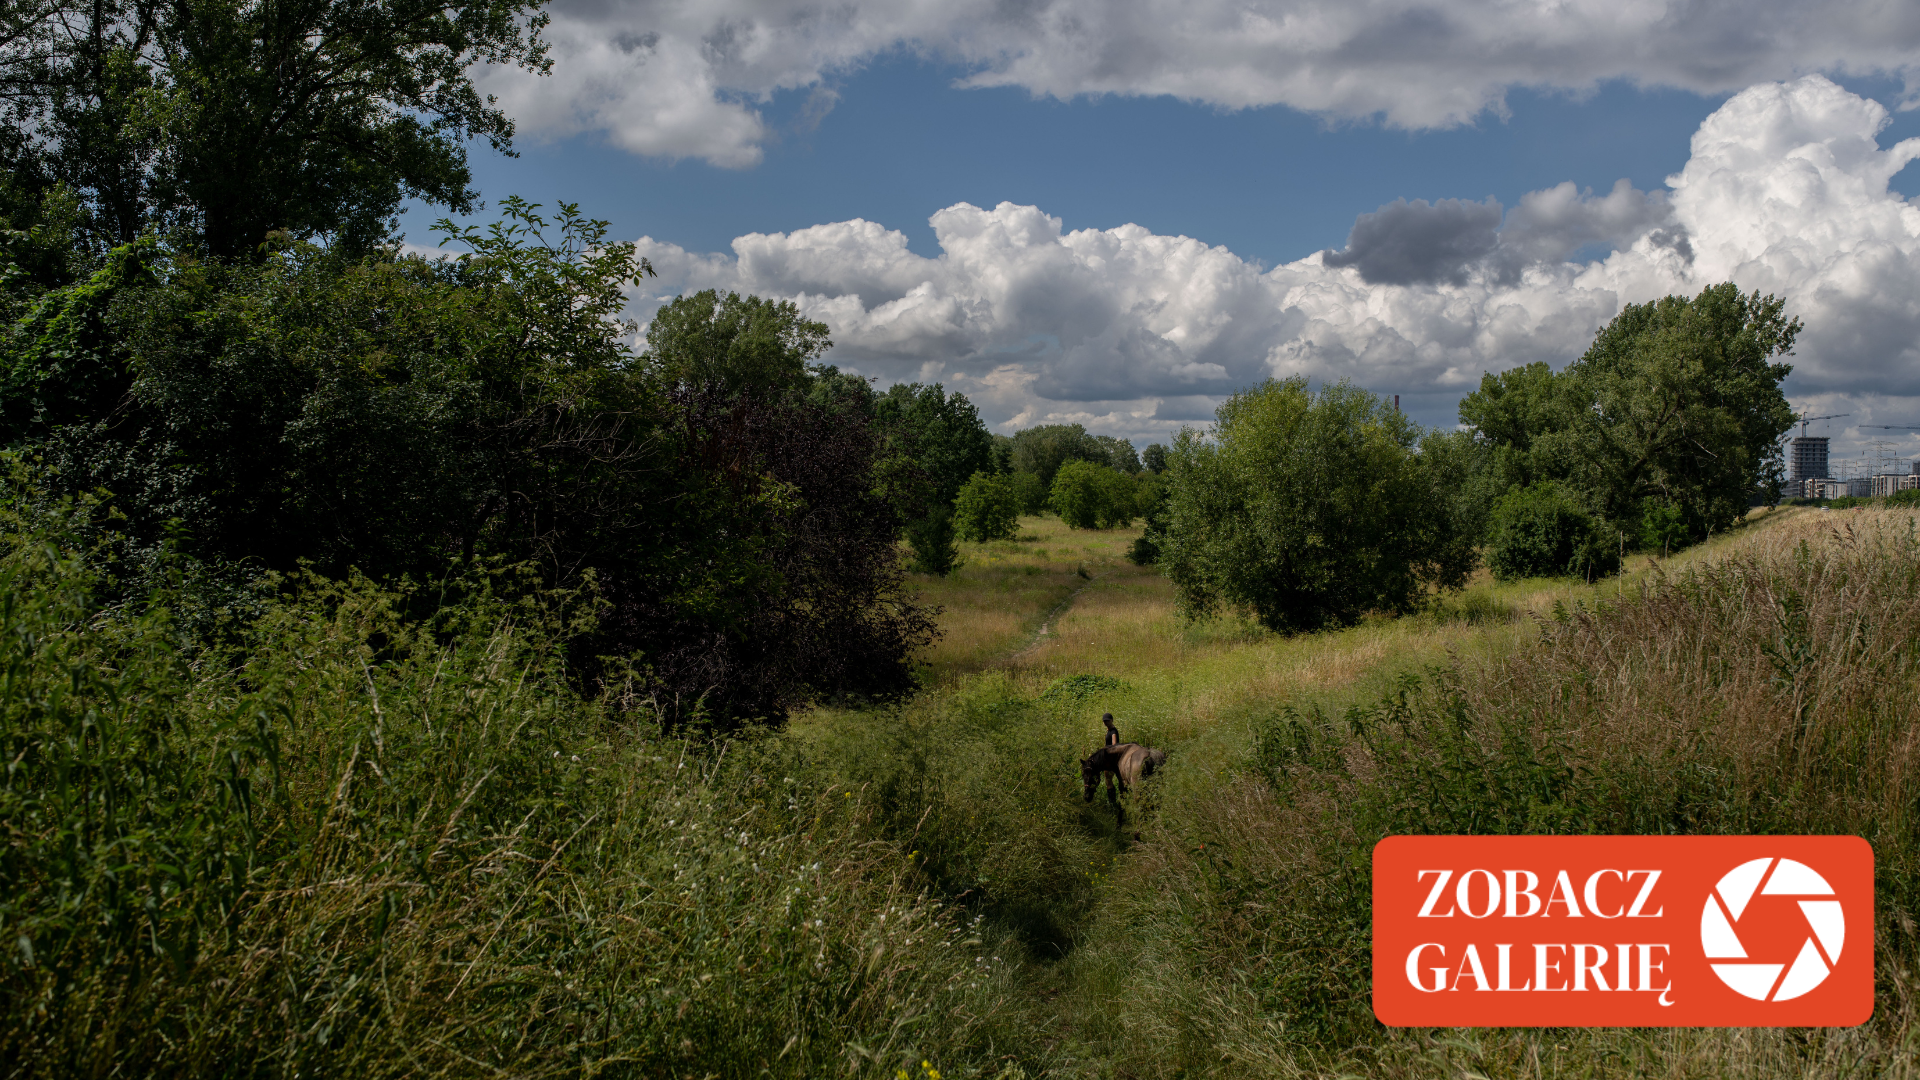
1001,594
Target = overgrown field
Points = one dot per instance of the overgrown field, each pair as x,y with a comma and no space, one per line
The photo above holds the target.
354,844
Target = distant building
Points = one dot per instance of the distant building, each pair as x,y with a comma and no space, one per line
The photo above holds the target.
1860,486
1887,483
1825,488
1810,458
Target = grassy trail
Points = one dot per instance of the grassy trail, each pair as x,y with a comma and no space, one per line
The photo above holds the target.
1061,619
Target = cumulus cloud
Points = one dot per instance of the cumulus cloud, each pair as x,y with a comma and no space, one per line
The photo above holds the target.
1134,333
686,78
1408,243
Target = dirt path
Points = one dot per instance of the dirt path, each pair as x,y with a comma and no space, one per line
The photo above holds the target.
1040,636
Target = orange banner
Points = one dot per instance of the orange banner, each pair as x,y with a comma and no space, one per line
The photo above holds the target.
1630,931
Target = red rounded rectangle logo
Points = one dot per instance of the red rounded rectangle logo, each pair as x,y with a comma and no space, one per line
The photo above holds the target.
1629,931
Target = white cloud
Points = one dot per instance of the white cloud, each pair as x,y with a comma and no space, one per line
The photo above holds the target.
681,78
1135,333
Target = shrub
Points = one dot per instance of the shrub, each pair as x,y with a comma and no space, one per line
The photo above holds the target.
1090,496
1308,509
1664,528
1030,491
987,508
1542,531
931,539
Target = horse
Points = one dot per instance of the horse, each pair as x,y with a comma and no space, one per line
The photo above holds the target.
1123,764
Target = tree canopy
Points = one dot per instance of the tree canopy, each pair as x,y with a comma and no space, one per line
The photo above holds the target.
222,123
1307,509
1673,414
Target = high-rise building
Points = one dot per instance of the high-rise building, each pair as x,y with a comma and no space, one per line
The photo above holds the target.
1809,457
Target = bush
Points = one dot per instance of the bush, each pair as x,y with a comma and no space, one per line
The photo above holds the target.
1030,491
1308,509
988,508
931,539
1664,528
1542,531
1150,498
1090,496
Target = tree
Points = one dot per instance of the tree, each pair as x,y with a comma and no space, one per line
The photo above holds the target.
1154,458
932,541
1030,492
231,121
733,344
1090,496
402,416
1675,410
1150,498
941,432
1042,450
1678,403
1307,509
1543,531
987,508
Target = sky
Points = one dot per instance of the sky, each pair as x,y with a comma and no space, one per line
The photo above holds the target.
1117,212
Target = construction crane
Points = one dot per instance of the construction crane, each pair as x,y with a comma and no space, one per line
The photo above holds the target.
1805,420
1890,427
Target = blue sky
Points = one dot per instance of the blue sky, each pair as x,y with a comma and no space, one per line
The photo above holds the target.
1272,183
1000,154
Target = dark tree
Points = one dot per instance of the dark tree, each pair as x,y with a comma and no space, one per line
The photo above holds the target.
226,122
1042,450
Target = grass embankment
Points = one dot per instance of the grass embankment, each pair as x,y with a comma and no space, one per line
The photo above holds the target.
362,847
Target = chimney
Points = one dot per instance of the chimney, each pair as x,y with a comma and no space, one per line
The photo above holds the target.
1396,403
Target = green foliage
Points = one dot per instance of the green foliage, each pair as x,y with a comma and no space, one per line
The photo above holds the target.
361,845
931,539
942,435
1675,404
65,360
1909,497
1543,531
1664,528
1030,491
1043,450
1154,458
1091,496
987,508
1308,510
1150,497
397,416
1081,687
742,346
224,123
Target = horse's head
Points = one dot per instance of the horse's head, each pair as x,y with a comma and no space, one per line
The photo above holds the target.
1089,776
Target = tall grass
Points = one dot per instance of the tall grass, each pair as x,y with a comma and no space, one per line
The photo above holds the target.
1776,689
363,846
362,843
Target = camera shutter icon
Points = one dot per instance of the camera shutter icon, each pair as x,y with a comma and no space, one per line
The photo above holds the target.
1826,930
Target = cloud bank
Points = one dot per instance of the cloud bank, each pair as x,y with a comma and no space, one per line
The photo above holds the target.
1134,333
685,78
